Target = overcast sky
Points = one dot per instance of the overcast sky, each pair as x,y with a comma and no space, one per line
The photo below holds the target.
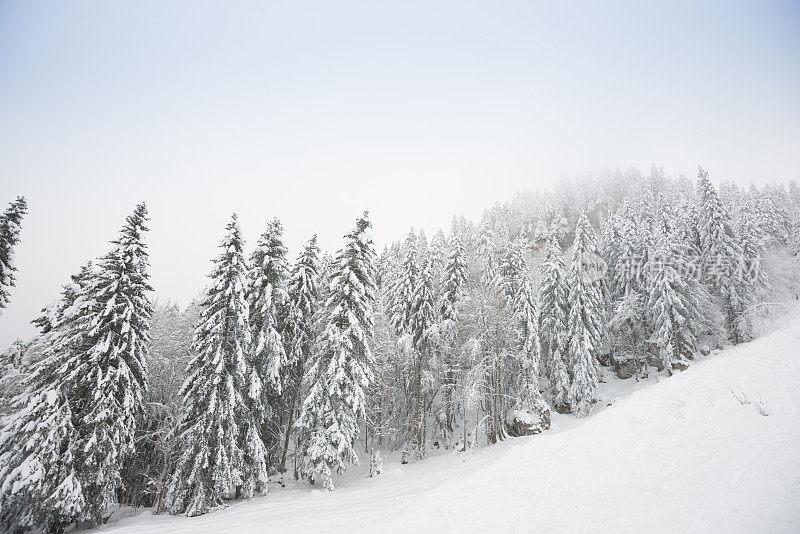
312,112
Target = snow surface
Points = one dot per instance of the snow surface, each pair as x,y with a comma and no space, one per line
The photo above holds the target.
715,448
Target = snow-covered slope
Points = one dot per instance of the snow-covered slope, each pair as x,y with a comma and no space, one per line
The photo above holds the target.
713,449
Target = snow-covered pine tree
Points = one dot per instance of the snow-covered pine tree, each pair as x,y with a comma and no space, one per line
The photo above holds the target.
516,282
559,226
687,226
438,257
54,318
93,375
723,260
487,251
423,250
552,323
794,197
10,226
117,315
627,256
585,319
610,241
768,215
794,220
630,257
403,288
39,486
40,483
454,285
423,322
543,229
299,333
673,304
221,454
267,298
753,243
342,368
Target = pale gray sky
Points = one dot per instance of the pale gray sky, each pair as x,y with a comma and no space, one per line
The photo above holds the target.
312,111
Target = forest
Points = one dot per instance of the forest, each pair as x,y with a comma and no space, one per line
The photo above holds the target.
299,366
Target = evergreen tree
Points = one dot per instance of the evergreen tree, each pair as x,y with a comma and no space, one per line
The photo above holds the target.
40,482
404,287
753,246
552,326
93,375
267,299
40,485
423,323
343,366
221,451
438,257
423,251
299,335
768,216
543,227
487,251
454,286
10,226
630,260
723,260
584,320
117,315
610,242
516,281
674,305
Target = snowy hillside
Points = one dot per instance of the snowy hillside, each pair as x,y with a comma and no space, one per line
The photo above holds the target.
713,449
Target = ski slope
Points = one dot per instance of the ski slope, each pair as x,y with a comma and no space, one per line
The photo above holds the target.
715,448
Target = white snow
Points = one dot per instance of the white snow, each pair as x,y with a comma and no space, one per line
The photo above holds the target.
694,452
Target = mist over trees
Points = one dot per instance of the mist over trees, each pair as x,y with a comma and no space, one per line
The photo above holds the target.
302,369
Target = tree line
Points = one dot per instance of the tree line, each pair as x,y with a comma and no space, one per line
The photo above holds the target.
310,366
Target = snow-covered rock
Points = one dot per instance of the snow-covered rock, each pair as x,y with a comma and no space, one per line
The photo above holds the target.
529,420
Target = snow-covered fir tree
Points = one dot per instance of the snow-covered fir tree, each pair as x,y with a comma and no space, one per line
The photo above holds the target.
267,297
423,251
753,244
516,282
118,311
585,319
487,251
423,323
454,285
94,376
404,286
40,482
10,227
300,334
220,452
673,304
552,323
342,368
723,261
438,257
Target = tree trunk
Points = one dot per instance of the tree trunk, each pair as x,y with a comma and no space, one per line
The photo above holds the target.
282,468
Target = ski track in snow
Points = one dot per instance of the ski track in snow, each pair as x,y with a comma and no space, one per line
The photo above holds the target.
681,455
